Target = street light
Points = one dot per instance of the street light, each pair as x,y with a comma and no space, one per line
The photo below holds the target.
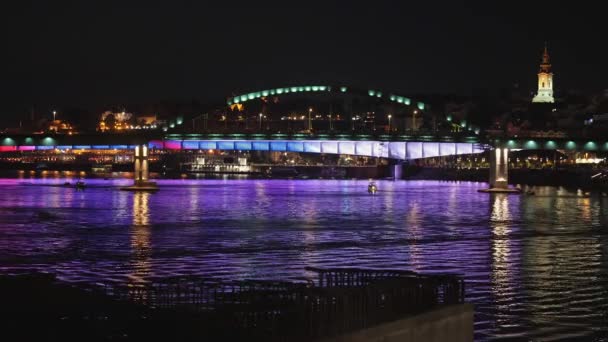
354,123
414,120
330,126
389,122
261,121
54,114
309,119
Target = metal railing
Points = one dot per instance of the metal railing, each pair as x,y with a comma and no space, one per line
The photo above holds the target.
339,301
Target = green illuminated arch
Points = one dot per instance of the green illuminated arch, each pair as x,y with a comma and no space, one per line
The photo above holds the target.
319,88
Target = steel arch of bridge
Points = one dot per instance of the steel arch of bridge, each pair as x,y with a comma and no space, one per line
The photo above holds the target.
374,93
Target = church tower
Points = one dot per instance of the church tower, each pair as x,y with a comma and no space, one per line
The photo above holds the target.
545,81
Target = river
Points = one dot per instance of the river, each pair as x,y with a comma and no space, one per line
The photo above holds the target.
536,267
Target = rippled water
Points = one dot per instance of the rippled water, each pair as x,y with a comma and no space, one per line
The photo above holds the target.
535,266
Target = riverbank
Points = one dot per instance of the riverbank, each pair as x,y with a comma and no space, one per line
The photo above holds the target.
546,177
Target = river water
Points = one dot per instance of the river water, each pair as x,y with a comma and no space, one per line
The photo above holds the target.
536,267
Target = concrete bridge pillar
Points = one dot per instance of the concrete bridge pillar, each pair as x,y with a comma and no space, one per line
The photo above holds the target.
397,171
141,164
142,173
499,168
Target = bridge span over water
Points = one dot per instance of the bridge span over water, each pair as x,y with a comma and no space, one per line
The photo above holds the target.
391,146
399,147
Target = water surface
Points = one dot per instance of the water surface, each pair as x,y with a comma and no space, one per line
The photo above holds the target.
536,267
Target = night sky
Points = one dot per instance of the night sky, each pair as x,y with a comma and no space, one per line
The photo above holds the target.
94,53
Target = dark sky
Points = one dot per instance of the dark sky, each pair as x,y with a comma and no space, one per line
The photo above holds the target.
92,53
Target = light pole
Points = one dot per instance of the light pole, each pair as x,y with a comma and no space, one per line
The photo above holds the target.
309,119
54,114
261,121
354,122
414,120
389,122
330,126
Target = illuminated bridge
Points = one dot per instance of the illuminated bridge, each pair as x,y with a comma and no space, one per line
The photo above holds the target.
399,147
391,146
394,145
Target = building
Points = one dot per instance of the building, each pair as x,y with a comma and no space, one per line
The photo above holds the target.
60,126
545,81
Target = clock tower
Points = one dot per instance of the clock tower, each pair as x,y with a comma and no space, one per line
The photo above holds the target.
545,81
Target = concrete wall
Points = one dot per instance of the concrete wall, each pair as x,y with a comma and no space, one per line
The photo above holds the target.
453,323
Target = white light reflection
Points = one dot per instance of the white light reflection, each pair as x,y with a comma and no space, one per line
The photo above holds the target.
140,238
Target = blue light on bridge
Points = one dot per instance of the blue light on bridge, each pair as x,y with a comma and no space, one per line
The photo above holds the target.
119,147
64,147
242,145
82,147
260,146
312,146
295,147
101,147
225,145
44,147
155,144
190,145
278,146
208,145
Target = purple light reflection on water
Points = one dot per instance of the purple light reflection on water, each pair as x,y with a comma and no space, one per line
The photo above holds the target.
535,266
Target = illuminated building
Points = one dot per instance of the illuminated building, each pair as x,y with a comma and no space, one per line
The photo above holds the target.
60,126
545,81
123,121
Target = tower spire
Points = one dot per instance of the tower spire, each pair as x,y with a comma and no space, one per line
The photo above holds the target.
545,79
545,66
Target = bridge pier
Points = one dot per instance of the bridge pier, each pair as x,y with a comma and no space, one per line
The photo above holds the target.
499,168
141,171
397,171
499,172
